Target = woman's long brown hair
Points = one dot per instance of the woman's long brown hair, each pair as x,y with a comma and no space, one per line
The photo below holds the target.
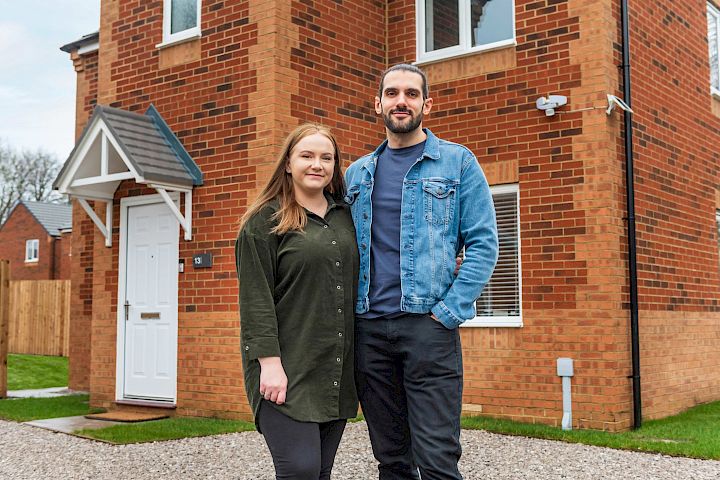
291,216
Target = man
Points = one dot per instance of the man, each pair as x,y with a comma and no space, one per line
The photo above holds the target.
416,202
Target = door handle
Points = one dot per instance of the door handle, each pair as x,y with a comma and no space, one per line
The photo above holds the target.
126,305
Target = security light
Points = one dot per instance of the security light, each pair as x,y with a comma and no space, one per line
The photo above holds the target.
614,101
550,103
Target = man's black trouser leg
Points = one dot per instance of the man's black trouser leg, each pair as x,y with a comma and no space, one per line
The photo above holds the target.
378,374
409,376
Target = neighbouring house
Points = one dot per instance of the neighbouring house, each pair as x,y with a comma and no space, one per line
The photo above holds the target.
36,239
182,107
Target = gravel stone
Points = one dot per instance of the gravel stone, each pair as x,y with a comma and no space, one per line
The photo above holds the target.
31,453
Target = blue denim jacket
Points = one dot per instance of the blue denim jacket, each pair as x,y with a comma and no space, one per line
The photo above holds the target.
446,205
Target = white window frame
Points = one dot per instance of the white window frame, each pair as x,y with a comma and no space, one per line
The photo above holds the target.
505,321
32,247
185,35
465,45
712,11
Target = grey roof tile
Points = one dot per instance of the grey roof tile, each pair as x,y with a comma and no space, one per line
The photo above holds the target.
148,144
52,216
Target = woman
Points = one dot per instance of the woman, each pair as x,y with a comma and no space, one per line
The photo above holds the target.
297,263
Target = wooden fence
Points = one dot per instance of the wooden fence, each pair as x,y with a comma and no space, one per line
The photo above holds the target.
4,322
40,317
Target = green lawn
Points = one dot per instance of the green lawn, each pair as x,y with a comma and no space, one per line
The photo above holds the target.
167,429
693,433
27,409
36,371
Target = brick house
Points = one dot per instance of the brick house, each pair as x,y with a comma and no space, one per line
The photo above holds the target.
36,239
230,79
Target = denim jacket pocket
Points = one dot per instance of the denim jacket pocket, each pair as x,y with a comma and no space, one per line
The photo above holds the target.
439,198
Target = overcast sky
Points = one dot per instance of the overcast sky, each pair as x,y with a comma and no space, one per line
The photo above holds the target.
37,80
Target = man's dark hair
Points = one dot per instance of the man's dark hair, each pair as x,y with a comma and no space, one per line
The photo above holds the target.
408,68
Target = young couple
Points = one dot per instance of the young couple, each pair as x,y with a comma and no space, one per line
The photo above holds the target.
350,293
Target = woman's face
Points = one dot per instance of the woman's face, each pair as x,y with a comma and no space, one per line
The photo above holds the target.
311,164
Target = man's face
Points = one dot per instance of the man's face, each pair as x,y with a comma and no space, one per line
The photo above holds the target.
402,105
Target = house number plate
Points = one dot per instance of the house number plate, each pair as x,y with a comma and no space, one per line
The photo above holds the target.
202,260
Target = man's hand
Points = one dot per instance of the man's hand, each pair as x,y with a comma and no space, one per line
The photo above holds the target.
458,264
273,381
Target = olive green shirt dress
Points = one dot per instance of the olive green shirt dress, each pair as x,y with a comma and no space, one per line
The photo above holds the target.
297,299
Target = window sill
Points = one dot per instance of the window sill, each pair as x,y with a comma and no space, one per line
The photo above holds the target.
494,322
32,262
178,41
435,58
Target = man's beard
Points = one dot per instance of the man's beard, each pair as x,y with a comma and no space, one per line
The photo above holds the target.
395,127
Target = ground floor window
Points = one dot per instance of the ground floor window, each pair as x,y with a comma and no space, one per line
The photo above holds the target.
500,303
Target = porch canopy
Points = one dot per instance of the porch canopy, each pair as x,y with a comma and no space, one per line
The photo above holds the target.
118,145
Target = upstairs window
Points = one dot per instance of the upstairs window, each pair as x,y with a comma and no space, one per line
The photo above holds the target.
500,303
713,18
32,248
447,28
181,20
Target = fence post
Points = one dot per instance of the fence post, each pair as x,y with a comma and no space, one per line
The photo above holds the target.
4,323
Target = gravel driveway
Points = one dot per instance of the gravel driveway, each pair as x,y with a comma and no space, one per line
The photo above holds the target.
33,453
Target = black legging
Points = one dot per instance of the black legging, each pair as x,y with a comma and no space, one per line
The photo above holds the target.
300,450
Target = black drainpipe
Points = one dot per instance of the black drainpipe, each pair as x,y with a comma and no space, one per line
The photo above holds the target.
630,189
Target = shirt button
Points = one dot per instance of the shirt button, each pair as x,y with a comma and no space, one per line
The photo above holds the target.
337,264
247,348
335,383
339,310
339,334
334,242
338,359
325,226
339,287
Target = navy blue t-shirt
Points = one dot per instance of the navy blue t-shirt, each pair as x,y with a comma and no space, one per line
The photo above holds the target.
385,293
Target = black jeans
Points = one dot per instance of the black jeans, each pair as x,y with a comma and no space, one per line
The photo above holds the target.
300,450
409,378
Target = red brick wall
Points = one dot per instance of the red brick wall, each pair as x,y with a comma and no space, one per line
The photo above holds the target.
337,66
80,243
230,127
569,169
201,89
487,102
63,252
262,67
677,167
19,227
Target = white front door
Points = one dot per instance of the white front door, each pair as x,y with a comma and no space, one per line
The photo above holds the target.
149,308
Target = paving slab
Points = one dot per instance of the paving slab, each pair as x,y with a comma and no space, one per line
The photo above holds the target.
43,392
71,424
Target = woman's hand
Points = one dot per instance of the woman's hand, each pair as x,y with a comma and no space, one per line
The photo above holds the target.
273,381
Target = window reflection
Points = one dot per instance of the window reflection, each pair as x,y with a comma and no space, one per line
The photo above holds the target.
442,28
183,15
